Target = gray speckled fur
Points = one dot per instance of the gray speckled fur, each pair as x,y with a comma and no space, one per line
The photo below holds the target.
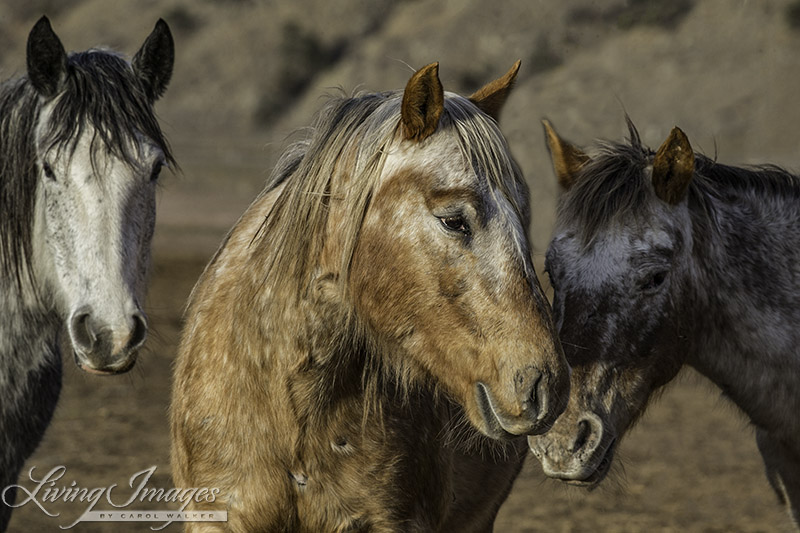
30,381
78,163
729,304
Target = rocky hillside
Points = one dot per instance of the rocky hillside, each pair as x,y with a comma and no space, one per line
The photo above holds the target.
249,72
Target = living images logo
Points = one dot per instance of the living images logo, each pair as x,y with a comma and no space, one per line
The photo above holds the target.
49,489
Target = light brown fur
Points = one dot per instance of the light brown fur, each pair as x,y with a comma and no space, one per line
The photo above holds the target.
326,379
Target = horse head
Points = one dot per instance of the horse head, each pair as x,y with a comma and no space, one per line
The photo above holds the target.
619,263
442,273
98,154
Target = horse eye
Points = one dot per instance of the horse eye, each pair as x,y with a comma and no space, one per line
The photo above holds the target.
48,171
456,223
655,281
156,172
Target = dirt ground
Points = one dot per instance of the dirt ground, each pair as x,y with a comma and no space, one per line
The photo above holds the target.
727,73
690,465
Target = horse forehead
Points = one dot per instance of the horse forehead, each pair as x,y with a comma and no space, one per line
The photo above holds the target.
440,157
138,142
608,257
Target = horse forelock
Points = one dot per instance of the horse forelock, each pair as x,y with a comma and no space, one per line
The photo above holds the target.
101,90
614,187
343,155
613,184
483,144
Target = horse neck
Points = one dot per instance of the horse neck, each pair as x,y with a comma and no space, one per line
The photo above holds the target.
745,304
29,330
312,352
330,365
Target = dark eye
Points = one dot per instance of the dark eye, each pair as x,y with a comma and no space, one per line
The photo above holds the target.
48,171
456,223
654,281
156,172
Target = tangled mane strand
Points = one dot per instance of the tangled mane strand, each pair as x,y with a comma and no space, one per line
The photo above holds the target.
349,135
19,112
483,144
100,89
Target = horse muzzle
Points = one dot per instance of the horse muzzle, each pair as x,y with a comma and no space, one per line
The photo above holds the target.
539,399
103,349
580,454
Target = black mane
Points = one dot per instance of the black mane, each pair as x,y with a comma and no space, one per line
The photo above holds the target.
100,89
615,184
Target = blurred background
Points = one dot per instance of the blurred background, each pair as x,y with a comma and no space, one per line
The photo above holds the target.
250,72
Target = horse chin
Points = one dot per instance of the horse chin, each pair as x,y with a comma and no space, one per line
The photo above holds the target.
124,365
497,425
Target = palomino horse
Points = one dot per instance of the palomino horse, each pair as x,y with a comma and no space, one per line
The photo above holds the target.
80,152
664,259
371,324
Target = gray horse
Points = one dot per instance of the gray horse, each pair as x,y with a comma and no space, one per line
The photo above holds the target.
664,259
80,153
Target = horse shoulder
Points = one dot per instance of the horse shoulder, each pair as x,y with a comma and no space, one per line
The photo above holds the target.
219,403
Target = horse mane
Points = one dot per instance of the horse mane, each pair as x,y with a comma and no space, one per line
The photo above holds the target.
100,89
349,140
342,154
615,184
19,112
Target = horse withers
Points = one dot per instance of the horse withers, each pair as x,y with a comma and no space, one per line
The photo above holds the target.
370,327
664,259
80,154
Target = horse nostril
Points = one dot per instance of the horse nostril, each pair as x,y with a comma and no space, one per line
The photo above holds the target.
533,393
584,430
588,436
139,333
81,331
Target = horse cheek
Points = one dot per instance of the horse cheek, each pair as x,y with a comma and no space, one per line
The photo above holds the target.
383,284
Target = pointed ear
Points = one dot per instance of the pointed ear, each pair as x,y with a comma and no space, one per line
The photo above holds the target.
46,58
152,64
673,167
491,97
567,158
423,103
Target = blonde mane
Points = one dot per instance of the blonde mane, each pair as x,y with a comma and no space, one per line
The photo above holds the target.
349,140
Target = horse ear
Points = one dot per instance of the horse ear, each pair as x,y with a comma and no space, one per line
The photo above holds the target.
423,103
46,58
491,97
152,64
673,167
567,158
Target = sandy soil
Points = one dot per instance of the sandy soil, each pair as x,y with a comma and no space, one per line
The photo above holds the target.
691,465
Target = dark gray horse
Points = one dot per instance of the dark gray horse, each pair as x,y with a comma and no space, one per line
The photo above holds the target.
80,153
664,259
